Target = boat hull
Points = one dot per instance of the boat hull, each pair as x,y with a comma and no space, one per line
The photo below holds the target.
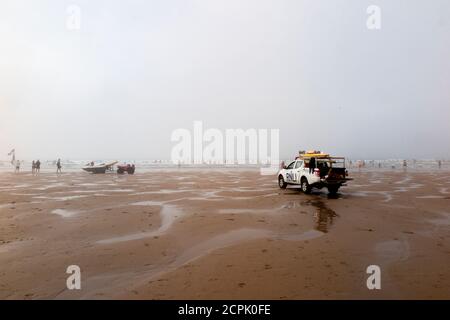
95,170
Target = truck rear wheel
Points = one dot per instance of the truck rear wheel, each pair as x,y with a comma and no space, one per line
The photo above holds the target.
281,183
306,188
333,189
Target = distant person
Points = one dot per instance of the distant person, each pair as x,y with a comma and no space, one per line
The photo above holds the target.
38,166
282,164
17,169
312,165
379,164
58,166
405,164
33,167
439,164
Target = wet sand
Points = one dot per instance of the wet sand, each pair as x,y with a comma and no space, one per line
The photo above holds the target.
223,234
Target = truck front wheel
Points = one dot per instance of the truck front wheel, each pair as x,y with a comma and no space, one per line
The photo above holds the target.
281,183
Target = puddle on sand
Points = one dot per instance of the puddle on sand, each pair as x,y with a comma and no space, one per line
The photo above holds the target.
243,211
64,213
162,191
51,186
168,213
387,196
10,246
115,190
61,198
323,215
24,185
393,250
221,241
229,239
308,235
148,203
430,197
444,221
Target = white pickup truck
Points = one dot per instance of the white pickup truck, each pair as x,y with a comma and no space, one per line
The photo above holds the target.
329,172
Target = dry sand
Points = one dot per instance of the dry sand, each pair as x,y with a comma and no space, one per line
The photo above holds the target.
223,234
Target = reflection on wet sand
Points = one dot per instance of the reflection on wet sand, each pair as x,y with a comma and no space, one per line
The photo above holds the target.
323,215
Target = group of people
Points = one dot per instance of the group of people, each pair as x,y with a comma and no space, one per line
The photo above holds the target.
36,166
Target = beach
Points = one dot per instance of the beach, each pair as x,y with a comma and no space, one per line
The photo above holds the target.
181,233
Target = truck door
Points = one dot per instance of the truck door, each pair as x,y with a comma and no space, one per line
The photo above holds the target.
298,170
290,173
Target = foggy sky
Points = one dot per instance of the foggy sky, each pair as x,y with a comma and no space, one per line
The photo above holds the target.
137,70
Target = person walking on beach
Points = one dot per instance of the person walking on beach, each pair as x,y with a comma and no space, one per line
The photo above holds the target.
439,163
33,167
58,166
38,166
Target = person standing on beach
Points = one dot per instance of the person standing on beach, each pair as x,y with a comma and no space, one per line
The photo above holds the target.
58,166
312,165
439,163
17,169
33,167
38,166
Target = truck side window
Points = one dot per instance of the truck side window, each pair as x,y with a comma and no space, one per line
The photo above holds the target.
298,164
291,165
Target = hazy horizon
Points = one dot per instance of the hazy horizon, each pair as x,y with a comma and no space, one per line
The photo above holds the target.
137,70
